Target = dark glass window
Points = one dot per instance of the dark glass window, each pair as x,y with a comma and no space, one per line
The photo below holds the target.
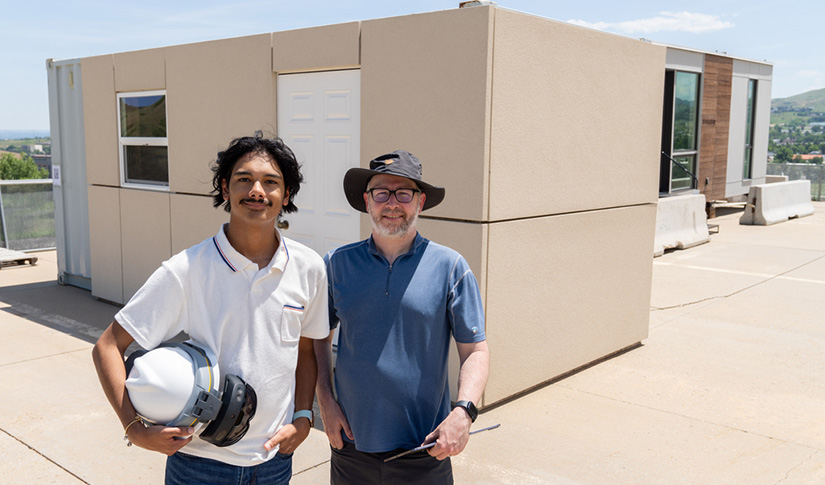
685,111
749,122
146,165
143,116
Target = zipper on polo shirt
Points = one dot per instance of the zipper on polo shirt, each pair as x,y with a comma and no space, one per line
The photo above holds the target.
387,289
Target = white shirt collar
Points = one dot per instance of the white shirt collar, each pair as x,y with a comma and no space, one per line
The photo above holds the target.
237,261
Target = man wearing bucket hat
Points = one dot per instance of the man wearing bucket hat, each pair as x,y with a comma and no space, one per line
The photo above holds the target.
398,298
252,298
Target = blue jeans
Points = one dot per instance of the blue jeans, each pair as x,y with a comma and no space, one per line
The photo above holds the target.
183,469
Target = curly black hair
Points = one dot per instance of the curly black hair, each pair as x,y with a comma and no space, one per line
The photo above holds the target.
275,148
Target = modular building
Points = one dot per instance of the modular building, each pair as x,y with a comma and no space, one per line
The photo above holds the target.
547,137
716,119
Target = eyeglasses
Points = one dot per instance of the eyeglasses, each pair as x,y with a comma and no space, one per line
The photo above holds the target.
403,196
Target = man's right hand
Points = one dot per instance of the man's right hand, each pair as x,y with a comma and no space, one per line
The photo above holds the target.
162,439
334,422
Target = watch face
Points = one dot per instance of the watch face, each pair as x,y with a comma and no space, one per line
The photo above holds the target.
469,407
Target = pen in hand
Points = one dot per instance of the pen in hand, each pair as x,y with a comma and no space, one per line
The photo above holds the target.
430,445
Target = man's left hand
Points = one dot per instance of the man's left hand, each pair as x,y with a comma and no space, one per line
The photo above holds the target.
451,435
289,437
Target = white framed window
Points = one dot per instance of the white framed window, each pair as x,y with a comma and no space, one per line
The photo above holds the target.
144,147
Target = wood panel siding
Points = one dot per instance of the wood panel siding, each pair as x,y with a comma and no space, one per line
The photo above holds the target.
715,126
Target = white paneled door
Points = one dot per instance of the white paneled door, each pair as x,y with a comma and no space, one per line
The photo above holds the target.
319,118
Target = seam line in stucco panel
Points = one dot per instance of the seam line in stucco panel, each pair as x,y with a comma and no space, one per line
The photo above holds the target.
539,216
170,192
190,193
120,229
490,78
492,33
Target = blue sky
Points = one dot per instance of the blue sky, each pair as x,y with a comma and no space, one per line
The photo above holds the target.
787,34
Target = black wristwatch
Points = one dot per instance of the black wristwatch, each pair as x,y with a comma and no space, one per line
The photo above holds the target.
469,407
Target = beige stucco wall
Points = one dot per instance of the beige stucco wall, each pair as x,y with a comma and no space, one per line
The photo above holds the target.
573,176
545,135
576,118
318,48
563,291
146,238
104,243
140,70
100,120
522,119
193,219
216,91
425,87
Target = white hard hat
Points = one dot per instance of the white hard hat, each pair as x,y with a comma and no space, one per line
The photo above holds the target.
177,384
161,383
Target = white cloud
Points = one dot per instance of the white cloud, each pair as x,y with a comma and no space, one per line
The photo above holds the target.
695,23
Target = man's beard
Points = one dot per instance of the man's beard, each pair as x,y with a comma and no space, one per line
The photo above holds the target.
395,231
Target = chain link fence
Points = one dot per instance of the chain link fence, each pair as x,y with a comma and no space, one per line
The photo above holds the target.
802,171
27,215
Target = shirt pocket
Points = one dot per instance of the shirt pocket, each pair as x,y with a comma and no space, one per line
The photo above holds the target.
291,319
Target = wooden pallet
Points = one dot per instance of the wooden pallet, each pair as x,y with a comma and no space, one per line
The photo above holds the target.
10,257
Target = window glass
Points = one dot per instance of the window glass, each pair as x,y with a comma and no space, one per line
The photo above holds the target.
143,116
146,165
681,178
746,169
686,111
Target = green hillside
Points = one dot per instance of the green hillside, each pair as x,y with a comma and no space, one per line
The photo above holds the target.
807,107
812,99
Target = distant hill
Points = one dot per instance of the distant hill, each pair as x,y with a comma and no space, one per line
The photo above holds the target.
803,106
812,99
22,134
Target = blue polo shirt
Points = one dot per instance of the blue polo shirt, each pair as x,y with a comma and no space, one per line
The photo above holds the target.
396,322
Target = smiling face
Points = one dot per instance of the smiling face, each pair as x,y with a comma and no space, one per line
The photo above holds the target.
392,218
255,189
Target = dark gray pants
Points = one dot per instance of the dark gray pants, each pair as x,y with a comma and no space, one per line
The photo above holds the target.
350,466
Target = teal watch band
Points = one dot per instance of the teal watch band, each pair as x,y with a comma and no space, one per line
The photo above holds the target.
305,413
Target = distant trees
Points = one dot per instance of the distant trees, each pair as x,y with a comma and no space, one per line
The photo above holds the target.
791,139
14,168
783,154
797,123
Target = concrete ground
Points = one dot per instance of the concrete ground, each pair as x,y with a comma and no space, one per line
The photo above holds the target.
728,388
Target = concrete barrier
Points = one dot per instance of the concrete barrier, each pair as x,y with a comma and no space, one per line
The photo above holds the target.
771,203
772,179
681,223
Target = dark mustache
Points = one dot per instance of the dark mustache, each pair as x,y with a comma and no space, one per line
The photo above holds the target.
257,201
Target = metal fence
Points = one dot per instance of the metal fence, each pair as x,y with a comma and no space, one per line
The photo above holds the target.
802,171
27,214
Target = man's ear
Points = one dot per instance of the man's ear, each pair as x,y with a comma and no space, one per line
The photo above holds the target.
423,199
367,200
224,190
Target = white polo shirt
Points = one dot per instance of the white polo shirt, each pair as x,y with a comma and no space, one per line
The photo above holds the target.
252,319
